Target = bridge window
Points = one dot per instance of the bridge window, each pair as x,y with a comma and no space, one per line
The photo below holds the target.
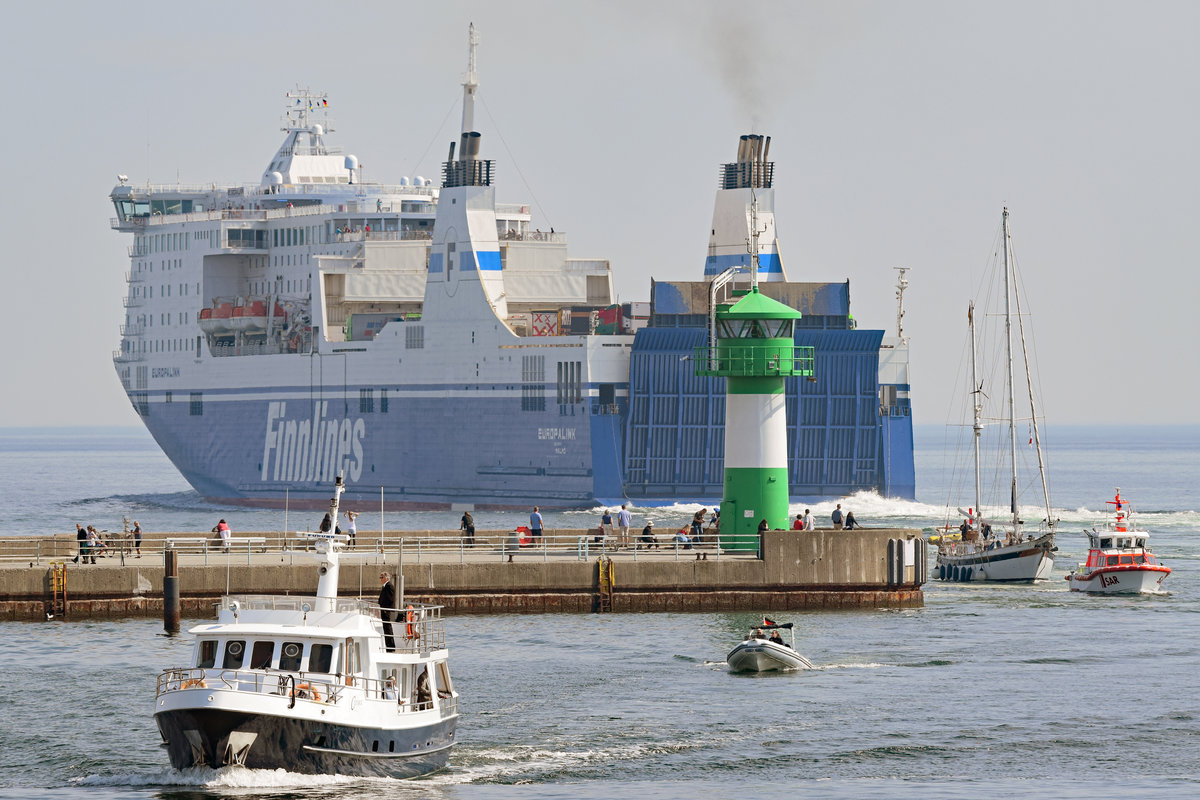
321,658
235,653
260,656
289,656
208,653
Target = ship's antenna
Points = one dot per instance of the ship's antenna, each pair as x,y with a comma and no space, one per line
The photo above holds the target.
752,241
901,285
470,82
302,109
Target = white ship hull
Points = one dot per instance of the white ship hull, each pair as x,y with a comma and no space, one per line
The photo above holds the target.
1027,561
1119,581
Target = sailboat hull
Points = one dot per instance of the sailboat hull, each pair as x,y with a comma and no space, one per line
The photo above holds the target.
1024,562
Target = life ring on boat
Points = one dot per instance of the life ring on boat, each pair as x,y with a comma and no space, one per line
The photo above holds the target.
197,683
303,690
410,619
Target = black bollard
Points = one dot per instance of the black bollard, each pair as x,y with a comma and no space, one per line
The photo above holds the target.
171,612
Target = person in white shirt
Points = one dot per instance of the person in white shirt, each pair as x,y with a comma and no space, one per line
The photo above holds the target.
624,519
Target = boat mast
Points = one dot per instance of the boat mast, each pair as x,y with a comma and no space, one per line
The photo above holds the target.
1012,392
977,404
1037,437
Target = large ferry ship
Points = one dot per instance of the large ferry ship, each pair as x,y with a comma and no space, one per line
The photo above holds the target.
440,351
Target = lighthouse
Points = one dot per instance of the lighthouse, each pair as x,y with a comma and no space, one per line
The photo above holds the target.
752,346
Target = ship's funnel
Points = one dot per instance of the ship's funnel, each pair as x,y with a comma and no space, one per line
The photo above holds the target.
743,148
463,147
472,145
451,156
751,170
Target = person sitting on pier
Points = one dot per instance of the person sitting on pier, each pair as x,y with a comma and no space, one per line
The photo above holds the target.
682,538
798,525
647,537
851,522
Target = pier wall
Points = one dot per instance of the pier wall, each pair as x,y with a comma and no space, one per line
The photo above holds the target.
821,569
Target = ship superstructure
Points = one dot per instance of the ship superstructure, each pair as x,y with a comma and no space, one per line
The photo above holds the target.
434,343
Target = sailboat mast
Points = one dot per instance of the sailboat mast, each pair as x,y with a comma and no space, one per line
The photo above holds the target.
1012,392
977,404
1037,436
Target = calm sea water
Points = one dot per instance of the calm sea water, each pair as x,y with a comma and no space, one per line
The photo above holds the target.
1026,691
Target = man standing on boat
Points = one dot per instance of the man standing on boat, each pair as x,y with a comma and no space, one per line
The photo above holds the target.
387,612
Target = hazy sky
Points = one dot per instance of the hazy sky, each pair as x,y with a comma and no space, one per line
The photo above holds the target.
899,131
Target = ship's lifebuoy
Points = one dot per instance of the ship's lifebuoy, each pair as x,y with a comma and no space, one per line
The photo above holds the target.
410,619
303,690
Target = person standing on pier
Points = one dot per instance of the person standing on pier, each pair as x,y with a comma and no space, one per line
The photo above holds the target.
535,524
467,526
387,610
225,533
624,520
137,538
809,524
81,539
837,517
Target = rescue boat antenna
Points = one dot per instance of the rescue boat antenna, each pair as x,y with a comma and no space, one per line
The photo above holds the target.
470,82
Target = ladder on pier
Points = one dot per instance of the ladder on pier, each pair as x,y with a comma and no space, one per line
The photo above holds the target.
605,573
56,603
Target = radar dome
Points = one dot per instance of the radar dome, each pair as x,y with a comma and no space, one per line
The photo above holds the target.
418,181
404,181
318,130
276,179
351,162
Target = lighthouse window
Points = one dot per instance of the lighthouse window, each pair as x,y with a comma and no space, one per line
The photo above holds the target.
235,653
289,656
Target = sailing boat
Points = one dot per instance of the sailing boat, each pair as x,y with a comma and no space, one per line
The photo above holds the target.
1005,552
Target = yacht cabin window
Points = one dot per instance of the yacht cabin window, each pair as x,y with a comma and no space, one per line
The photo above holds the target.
260,655
208,653
320,658
235,651
289,656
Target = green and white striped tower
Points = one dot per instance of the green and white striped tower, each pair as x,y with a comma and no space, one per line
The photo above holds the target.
753,348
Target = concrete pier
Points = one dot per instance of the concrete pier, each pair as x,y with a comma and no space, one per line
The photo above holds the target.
820,569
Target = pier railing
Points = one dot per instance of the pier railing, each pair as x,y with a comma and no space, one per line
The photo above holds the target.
375,549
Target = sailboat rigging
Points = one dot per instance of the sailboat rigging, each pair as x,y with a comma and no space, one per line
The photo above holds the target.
1009,554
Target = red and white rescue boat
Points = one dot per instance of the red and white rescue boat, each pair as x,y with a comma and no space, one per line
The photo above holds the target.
1119,561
